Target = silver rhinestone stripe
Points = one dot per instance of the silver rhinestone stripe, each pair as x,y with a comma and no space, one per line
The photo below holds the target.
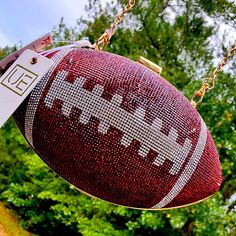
36,95
133,126
189,169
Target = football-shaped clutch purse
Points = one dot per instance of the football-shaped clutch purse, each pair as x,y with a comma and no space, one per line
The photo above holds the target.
120,132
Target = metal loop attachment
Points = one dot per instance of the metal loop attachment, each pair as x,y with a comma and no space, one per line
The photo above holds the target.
103,41
33,60
105,38
209,83
199,94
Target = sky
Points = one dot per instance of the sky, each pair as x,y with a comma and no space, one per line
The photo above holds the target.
26,20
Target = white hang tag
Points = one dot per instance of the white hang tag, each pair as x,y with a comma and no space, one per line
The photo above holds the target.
19,80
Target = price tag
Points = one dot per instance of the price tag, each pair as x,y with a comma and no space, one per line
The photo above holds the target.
19,80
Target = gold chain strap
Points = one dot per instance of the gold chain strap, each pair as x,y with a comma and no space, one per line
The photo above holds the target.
105,38
209,83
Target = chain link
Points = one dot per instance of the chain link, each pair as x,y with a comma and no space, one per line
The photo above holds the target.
209,83
105,38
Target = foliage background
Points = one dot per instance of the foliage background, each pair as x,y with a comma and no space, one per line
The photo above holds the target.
185,38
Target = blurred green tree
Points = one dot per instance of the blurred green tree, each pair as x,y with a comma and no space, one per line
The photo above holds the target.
183,37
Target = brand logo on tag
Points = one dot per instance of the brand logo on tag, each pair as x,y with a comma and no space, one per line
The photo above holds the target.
19,80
